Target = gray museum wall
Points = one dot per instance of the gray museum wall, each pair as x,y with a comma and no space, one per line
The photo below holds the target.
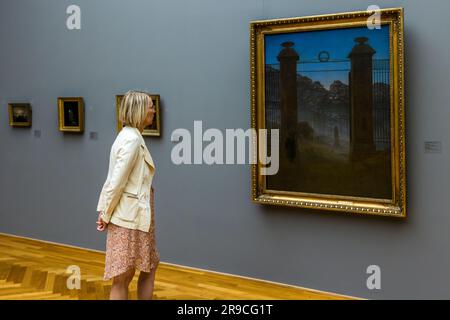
195,54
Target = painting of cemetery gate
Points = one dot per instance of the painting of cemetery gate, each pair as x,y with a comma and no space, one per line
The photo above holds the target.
328,92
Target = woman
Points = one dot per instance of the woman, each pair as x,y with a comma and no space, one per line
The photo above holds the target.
126,203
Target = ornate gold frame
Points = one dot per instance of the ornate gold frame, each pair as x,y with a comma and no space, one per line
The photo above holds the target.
62,127
147,132
12,123
396,207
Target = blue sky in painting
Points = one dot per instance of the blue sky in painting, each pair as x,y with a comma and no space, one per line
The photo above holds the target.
338,43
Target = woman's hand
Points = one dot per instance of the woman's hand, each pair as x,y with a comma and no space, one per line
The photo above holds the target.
101,225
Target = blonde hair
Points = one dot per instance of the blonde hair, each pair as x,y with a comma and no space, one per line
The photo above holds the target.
133,108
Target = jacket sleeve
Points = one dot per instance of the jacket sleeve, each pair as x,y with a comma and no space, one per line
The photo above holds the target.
126,156
101,199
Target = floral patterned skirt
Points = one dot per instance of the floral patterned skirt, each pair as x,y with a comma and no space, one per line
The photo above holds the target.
128,248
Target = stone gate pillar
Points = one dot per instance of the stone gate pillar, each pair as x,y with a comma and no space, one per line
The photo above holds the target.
288,58
361,99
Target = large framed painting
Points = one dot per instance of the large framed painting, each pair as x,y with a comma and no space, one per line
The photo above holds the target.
71,114
152,130
333,87
20,114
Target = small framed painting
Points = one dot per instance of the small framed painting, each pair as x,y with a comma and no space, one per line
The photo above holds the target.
152,130
71,114
19,114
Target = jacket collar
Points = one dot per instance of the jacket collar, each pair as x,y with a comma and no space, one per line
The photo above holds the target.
147,156
136,132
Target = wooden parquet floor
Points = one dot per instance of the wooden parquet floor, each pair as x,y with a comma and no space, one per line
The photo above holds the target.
33,269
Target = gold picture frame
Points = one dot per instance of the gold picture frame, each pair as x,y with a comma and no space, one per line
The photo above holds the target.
155,129
71,114
20,114
297,187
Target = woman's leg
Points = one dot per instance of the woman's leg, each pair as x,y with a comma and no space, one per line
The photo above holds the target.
119,289
145,285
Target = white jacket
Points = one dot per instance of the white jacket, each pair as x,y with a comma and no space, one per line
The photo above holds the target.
125,197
